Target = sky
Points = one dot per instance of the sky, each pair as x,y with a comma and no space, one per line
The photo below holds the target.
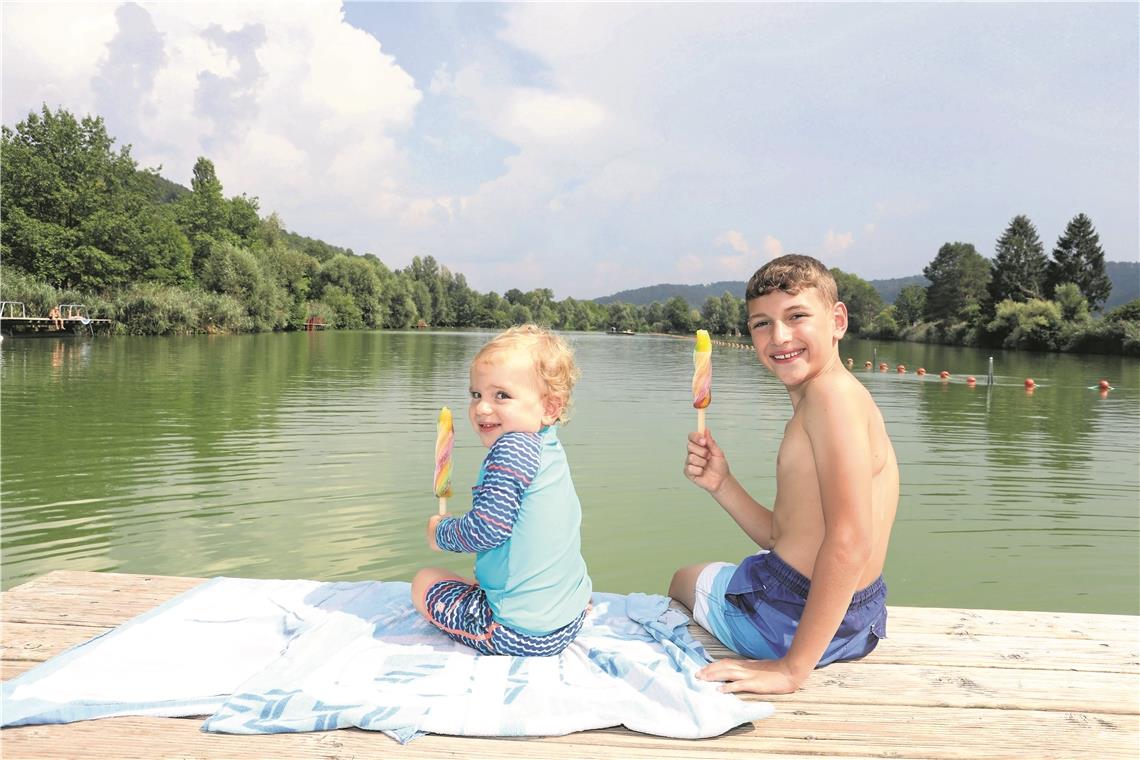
591,148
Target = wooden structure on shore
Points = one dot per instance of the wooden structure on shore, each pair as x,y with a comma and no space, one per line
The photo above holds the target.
65,317
948,683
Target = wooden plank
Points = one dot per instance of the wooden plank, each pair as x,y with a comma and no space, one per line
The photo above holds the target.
36,642
947,684
848,731
990,651
1055,625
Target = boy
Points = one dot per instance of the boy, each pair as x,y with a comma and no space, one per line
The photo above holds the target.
531,591
817,594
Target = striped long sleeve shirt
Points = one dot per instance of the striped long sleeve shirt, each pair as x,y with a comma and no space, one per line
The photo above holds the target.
508,470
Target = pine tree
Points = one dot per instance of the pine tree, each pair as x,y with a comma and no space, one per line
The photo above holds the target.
1018,271
1079,259
958,277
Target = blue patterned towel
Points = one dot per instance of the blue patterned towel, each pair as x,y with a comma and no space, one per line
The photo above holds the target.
284,656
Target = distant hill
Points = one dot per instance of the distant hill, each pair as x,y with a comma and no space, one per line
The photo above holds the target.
1125,277
695,295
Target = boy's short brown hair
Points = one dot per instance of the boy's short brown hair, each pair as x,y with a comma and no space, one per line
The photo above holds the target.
791,274
552,356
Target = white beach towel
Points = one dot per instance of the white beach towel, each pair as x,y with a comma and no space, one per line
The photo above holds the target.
263,656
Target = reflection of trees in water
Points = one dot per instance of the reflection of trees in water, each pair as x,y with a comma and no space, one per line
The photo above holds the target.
1049,427
92,429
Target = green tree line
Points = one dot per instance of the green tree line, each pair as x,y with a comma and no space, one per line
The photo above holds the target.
83,223
1020,299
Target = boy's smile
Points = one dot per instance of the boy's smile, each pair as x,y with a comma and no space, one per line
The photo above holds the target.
795,334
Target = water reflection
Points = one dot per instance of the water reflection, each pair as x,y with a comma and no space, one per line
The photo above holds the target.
309,455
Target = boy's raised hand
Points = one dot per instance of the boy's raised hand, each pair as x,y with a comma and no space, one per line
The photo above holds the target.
705,463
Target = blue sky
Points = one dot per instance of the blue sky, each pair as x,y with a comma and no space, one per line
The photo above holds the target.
595,147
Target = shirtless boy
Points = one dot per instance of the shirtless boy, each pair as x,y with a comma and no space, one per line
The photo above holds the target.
814,594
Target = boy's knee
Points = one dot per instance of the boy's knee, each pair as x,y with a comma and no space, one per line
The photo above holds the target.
682,587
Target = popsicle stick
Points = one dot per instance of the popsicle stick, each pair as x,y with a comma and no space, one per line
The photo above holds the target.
700,420
443,505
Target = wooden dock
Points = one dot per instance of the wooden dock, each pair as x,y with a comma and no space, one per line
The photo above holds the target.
948,683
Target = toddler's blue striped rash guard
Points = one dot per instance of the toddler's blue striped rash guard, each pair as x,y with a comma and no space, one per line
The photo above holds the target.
525,528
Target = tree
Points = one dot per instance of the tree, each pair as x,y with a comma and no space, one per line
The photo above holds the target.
959,276
620,316
204,213
242,219
863,302
1074,306
1034,324
677,316
735,318
713,317
1018,271
885,324
1078,258
78,214
910,304
354,277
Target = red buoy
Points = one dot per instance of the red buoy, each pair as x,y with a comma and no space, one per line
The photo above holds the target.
971,380
1029,383
1104,386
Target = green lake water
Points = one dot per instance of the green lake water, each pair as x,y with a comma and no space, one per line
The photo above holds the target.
310,455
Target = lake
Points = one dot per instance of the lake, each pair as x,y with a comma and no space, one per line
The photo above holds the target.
311,454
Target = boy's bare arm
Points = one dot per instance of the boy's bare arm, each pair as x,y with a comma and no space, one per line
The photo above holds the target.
707,466
836,425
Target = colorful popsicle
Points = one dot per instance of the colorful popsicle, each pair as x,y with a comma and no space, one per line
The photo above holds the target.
444,440
702,377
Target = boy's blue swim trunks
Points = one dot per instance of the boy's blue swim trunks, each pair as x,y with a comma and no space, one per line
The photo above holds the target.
754,609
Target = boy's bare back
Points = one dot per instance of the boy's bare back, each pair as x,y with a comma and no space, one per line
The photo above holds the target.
836,417
837,488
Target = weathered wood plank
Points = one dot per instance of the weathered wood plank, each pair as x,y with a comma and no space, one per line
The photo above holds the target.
36,642
947,684
848,731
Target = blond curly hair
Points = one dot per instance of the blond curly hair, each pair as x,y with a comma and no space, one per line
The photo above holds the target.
552,356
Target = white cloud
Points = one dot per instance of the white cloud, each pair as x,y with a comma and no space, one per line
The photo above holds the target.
735,241
773,247
298,108
554,117
577,135
836,243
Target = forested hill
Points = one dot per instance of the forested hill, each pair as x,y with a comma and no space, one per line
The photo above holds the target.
696,295
1125,277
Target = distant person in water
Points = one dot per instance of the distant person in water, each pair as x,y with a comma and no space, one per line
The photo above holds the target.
531,591
814,593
